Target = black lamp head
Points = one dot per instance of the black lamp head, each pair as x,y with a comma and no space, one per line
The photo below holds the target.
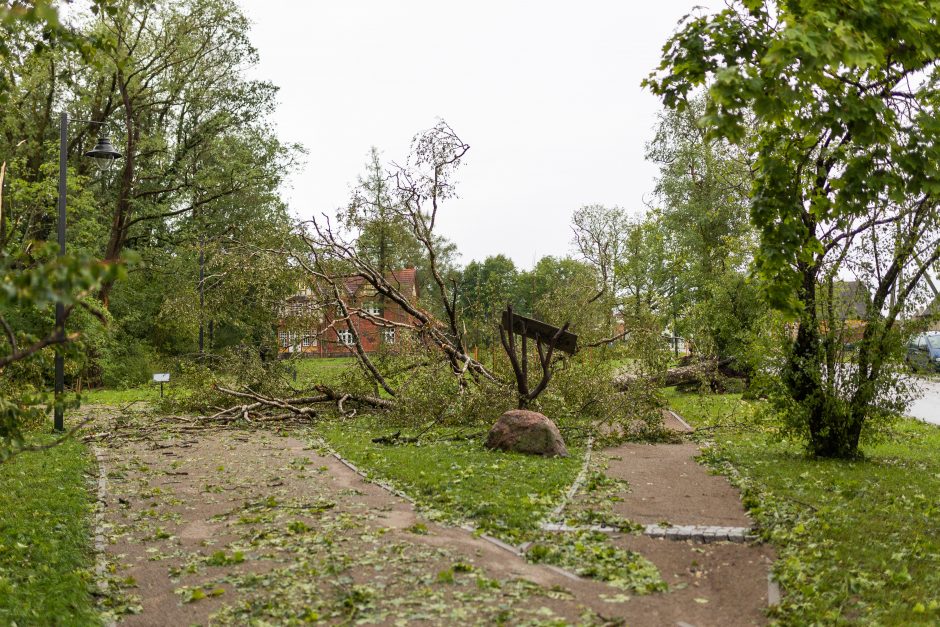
103,150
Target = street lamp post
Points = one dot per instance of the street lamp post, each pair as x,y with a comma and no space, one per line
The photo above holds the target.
105,151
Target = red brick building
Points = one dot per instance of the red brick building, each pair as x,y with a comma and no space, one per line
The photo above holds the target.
304,329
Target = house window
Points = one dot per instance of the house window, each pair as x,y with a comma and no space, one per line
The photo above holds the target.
308,340
283,338
372,309
388,335
345,337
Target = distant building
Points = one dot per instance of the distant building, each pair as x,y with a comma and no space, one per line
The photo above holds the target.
932,314
307,328
850,302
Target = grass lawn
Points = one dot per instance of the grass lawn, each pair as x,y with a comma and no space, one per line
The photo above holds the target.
321,369
105,396
309,371
859,541
45,539
504,494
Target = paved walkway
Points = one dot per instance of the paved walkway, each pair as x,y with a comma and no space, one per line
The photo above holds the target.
926,406
226,526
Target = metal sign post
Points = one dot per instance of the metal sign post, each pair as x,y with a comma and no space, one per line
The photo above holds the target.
161,378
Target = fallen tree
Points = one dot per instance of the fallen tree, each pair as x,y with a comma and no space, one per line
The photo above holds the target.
427,376
263,407
700,372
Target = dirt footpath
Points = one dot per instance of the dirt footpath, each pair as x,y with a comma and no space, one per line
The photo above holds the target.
227,526
667,485
715,583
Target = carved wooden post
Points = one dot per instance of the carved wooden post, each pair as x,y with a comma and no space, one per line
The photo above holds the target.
546,339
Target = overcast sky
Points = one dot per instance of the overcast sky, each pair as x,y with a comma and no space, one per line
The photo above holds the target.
547,94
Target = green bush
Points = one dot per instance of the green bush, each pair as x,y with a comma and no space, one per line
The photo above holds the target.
129,362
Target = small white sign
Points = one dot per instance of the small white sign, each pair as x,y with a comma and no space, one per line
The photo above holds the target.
161,377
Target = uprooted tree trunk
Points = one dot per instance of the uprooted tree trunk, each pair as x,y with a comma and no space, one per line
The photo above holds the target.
700,372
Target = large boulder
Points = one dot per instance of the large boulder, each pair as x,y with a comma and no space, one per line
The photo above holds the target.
526,431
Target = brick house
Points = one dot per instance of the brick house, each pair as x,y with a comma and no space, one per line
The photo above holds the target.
306,329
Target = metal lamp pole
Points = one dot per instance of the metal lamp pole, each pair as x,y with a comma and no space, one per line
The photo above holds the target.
202,294
102,150
59,306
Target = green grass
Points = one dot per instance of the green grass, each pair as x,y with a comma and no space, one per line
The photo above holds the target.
45,537
104,396
859,541
309,371
504,494
322,369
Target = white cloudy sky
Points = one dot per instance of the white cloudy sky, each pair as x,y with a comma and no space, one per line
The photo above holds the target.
546,93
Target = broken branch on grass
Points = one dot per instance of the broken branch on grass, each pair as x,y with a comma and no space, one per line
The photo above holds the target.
295,407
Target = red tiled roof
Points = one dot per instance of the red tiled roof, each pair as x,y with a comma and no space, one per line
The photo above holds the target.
405,280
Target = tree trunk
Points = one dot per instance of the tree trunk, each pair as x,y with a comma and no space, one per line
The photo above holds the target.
701,372
122,209
833,429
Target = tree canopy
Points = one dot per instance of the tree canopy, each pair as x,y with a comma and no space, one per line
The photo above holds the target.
842,100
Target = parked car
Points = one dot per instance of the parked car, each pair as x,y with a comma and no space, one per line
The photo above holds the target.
923,352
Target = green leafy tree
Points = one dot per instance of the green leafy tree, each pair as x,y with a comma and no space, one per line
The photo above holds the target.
643,270
384,238
703,213
485,288
35,278
193,128
199,178
562,289
842,98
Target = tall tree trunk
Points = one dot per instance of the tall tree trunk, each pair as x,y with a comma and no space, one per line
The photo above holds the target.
122,209
802,372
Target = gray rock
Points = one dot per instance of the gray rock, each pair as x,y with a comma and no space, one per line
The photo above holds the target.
526,431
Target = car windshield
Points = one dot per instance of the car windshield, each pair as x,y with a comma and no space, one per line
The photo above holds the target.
933,341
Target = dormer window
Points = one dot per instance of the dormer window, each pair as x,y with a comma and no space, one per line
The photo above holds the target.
372,309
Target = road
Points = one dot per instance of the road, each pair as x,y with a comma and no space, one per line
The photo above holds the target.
927,407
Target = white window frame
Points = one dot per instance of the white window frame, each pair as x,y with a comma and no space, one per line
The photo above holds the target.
388,335
372,309
283,338
345,337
